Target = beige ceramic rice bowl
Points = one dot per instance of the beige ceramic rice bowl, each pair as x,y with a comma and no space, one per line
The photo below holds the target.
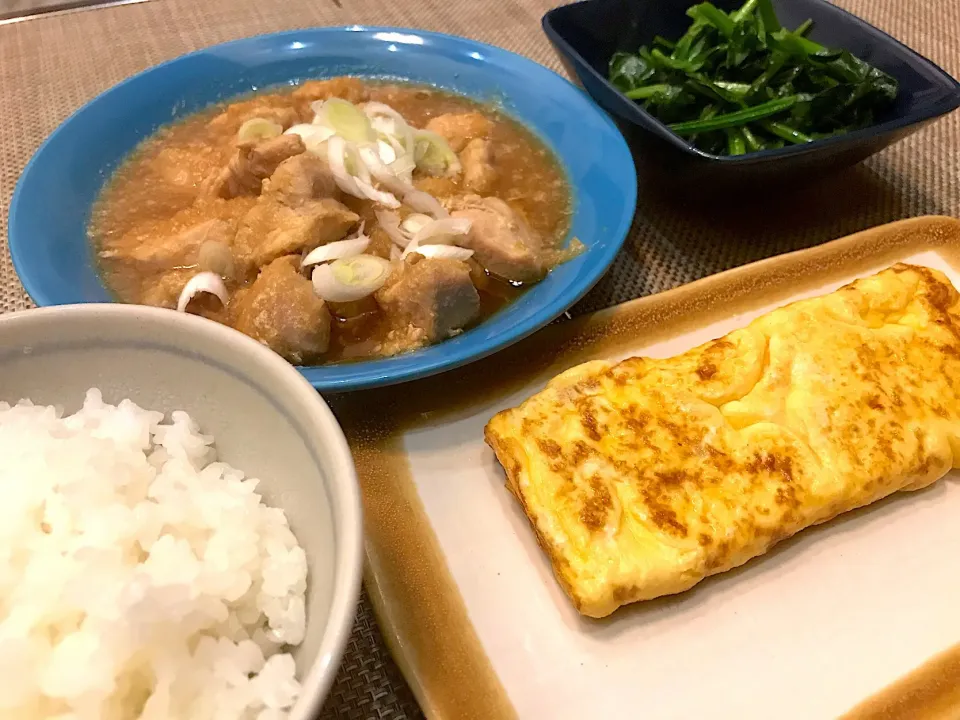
265,420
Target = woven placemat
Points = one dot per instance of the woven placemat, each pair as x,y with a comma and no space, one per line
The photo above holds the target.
51,65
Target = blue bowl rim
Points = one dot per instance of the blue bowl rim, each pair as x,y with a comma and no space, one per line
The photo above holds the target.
354,376
662,131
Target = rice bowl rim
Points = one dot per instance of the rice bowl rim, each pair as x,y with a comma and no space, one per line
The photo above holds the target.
322,425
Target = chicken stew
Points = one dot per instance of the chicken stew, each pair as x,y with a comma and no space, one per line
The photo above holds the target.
340,220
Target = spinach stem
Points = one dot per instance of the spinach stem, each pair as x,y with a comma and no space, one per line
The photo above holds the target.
787,133
769,17
803,28
740,15
751,140
736,88
751,114
716,17
663,42
735,142
776,63
648,91
739,81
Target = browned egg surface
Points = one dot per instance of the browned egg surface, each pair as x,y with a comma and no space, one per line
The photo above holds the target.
644,477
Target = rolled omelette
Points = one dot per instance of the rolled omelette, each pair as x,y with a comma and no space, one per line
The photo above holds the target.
641,478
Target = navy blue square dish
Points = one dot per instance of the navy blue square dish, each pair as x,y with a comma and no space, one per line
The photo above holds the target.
586,35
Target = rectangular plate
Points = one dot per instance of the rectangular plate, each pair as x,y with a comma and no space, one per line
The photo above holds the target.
811,629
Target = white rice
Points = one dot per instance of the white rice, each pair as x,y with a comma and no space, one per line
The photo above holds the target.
139,578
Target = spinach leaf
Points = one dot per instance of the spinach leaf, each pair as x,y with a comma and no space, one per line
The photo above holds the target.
740,82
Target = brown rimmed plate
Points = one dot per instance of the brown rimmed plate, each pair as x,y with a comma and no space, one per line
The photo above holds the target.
826,620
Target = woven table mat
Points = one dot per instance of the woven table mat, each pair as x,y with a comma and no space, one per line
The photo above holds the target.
51,65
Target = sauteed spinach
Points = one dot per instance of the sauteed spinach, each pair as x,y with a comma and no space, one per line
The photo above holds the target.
740,82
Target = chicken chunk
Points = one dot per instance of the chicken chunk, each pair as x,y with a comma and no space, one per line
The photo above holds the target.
252,163
299,179
439,187
479,175
271,230
428,299
401,339
165,253
281,311
460,128
500,239
347,88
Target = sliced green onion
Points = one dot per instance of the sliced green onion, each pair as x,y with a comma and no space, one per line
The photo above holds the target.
256,129
337,159
205,282
386,152
447,252
389,222
337,250
350,279
370,159
388,121
403,166
347,121
443,231
434,156
425,203
415,223
313,136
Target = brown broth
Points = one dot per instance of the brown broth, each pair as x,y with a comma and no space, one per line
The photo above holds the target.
155,195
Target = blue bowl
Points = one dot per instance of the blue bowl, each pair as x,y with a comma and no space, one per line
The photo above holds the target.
51,206
587,34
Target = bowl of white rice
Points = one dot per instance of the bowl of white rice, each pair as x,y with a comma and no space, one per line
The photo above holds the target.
180,523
